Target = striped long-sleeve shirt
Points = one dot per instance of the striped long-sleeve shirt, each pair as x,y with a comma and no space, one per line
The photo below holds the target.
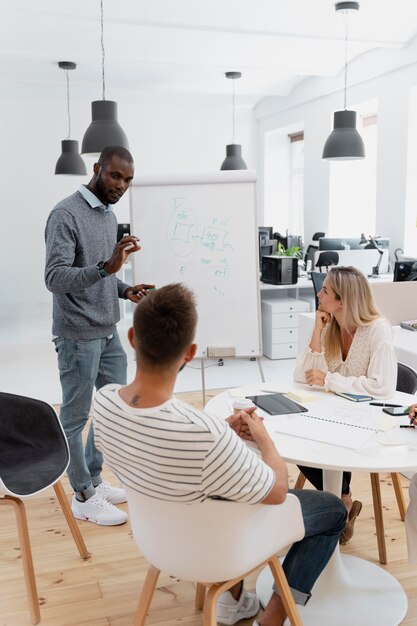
176,452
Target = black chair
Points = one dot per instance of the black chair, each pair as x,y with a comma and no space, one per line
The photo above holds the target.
33,456
406,379
407,383
326,259
311,249
309,255
318,280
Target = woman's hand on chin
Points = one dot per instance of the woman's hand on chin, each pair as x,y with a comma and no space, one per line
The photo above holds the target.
315,377
322,318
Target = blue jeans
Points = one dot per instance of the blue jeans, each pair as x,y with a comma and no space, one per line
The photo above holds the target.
84,365
324,519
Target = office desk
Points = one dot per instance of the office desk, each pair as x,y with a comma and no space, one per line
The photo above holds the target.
350,591
306,283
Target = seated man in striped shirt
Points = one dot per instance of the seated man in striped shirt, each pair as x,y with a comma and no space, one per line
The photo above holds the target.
168,449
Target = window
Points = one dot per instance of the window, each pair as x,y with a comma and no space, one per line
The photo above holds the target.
352,200
296,182
284,181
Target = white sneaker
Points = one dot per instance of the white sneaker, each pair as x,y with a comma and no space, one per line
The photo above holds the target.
114,495
230,611
97,510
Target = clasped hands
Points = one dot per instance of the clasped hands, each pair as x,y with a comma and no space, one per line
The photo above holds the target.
248,425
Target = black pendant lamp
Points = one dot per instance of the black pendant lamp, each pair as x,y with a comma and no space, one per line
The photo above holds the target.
233,160
104,129
70,161
344,142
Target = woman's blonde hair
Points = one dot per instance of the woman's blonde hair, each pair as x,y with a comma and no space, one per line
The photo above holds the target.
359,308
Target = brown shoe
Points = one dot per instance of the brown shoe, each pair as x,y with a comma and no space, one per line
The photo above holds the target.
347,532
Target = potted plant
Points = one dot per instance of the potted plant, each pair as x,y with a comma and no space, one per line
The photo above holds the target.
294,251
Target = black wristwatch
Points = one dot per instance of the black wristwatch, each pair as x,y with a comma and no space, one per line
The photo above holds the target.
101,270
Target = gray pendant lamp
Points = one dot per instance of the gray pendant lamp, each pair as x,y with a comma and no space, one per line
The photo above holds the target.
233,160
104,129
344,142
70,161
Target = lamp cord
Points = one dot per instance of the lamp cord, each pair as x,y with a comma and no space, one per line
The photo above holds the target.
102,49
68,105
346,62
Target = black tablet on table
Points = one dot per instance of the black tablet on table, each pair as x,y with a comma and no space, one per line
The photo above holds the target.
277,404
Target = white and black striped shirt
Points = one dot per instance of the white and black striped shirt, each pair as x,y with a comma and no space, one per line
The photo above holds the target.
176,452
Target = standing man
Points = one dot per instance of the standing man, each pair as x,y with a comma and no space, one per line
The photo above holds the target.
82,258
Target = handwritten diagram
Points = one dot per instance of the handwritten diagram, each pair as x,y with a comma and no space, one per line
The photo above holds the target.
206,244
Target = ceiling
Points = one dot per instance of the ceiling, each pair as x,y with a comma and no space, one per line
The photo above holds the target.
163,48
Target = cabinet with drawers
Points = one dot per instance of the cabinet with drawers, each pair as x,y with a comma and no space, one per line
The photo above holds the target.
280,326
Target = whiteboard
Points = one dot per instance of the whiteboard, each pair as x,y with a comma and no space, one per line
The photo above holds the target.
203,232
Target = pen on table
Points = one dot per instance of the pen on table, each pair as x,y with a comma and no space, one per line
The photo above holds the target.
384,404
407,426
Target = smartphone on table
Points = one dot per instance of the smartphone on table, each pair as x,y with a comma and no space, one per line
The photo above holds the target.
396,410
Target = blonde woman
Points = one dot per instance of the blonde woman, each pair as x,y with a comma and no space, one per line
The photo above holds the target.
351,350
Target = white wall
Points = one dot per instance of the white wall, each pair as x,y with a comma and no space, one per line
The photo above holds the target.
166,136
387,75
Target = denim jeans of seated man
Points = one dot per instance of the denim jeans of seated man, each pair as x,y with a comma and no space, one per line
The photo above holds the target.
324,516
84,365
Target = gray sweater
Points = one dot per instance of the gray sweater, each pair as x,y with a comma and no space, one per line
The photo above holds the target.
78,236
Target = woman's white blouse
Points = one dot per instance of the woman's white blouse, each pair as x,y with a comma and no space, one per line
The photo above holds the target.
370,366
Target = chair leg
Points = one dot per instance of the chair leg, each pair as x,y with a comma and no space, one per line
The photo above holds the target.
299,484
210,604
285,592
146,595
73,526
24,542
200,596
396,482
379,521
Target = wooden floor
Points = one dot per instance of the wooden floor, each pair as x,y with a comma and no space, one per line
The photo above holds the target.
103,591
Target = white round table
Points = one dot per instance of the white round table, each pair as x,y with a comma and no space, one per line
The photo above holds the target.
350,590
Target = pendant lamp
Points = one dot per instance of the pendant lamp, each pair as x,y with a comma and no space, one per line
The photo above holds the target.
70,161
233,160
344,142
104,129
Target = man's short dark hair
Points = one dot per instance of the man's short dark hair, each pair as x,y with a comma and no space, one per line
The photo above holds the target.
110,151
164,325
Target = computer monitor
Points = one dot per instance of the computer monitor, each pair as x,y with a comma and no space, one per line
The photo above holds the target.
339,243
265,234
265,245
405,270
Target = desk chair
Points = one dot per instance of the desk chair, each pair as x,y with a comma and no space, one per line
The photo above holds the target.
33,456
326,259
318,280
407,383
215,542
311,249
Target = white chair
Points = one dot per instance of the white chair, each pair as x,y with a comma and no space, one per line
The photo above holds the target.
34,455
215,543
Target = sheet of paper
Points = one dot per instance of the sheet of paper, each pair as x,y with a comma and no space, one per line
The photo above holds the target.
344,435
354,414
399,437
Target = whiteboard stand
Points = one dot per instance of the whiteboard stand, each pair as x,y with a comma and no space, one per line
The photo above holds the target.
203,379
